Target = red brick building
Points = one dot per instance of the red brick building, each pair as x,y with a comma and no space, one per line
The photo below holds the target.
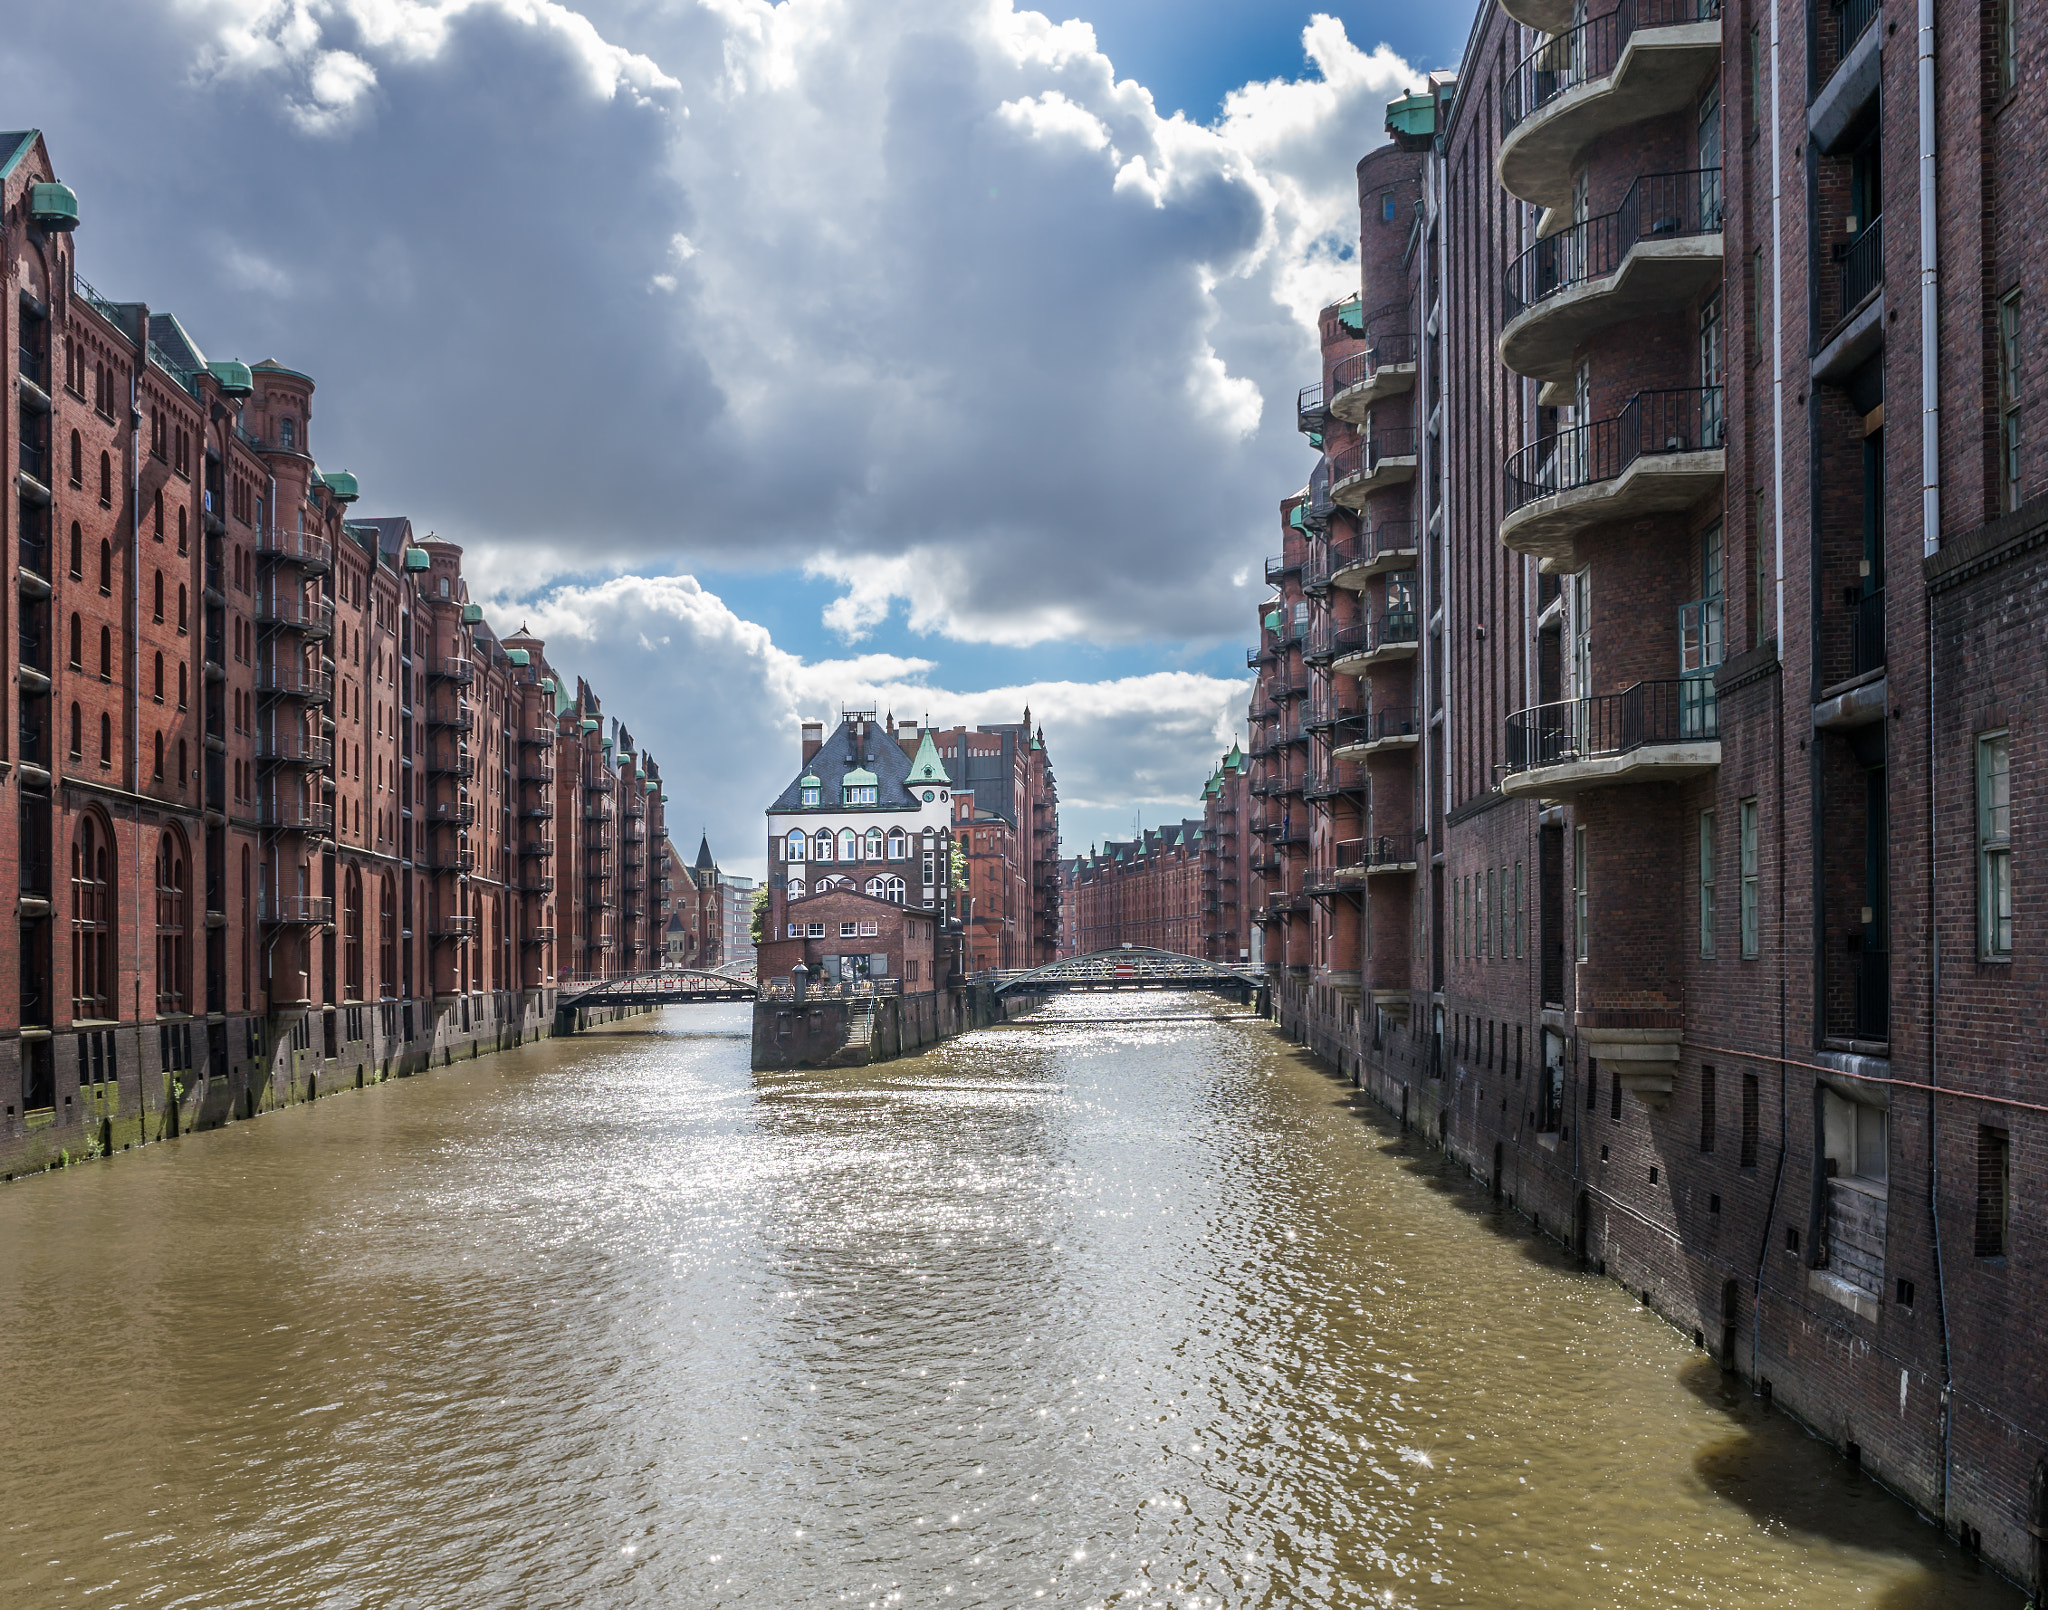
1006,814
283,806
1643,730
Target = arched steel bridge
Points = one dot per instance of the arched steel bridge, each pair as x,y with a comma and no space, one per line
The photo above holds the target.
1131,967
663,986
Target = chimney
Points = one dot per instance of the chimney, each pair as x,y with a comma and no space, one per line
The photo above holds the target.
906,737
814,740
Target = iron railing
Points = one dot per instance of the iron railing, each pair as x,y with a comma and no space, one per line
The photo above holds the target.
1670,711
1393,627
292,613
1279,565
456,669
1396,721
33,461
461,718
1591,50
1387,537
295,547
1658,206
1310,411
294,749
31,366
1364,457
294,816
1387,849
296,910
1651,422
1860,263
1396,346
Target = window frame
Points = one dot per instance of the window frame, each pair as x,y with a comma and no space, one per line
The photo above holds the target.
1750,858
2011,488
1581,890
1994,847
1708,869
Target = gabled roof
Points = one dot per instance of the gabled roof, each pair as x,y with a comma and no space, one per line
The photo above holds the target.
884,759
14,145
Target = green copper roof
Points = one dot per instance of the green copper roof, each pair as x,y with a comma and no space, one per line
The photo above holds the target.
15,143
518,656
591,723
1273,620
1235,757
341,486
1412,114
472,614
418,559
859,777
54,206
809,780
233,378
1352,316
926,767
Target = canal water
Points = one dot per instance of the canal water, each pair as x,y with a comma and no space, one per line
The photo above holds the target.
1104,1311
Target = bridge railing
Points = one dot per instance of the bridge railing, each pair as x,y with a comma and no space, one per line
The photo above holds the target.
781,989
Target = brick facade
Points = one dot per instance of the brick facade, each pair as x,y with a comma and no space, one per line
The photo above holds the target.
1663,887
284,807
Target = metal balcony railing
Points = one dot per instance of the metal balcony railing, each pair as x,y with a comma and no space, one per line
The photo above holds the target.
1852,18
294,816
454,668
33,461
456,860
1279,566
1860,263
452,813
1651,422
541,737
1566,60
1673,711
293,749
1388,849
1365,457
1392,721
538,935
446,927
1310,412
30,365
1658,206
289,612
1388,629
463,766
295,547
460,718
537,849
1390,347
296,910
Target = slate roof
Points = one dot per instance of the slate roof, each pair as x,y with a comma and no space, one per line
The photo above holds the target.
885,758
704,861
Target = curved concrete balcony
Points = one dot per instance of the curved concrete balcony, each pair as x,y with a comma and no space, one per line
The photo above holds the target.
1661,454
1545,16
1390,545
1392,636
1386,458
1655,253
1653,732
1377,732
1384,369
1641,60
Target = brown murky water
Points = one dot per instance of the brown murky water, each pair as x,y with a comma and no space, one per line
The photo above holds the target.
1090,1316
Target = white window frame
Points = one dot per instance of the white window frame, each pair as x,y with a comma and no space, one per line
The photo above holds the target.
1994,845
797,846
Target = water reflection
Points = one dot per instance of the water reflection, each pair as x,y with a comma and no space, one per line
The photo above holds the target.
1133,1312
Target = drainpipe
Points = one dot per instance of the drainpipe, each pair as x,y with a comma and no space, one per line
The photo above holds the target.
1778,349
1930,314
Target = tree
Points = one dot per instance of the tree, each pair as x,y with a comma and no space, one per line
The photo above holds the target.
760,913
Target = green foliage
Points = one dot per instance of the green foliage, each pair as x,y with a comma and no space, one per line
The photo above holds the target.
760,912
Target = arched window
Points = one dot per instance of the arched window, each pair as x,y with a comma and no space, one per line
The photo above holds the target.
77,460
106,569
92,938
873,852
77,552
181,606
795,845
387,939
159,773
181,528
352,935
77,734
106,740
182,671
157,595
106,654
821,846
77,643
899,846
894,889
106,481
158,674
878,887
170,924
849,844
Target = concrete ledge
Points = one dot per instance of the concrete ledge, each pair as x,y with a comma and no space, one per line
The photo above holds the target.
1655,483
1852,343
1653,763
1854,707
1657,274
1834,117
1837,1290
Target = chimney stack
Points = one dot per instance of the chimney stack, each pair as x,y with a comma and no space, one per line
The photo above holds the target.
814,740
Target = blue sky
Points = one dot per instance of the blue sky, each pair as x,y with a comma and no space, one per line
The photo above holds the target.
768,358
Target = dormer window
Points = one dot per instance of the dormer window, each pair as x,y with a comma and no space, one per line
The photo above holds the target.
860,794
810,787
810,796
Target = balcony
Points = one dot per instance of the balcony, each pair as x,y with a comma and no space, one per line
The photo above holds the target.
289,612
598,808
1384,459
1859,267
1661,454
1325,710
294,682
1389,545
304,548
451,813
449,927
294,816
452,860
1280,566
1652,732
1384,369
537,849
1654,253
1545,16
459,718
456,669
1377,732
1387,855
1310,413
459,765
1328,781
543,935
296,911
1838,116
294,749
538,737
539,770
1639,61
1377,640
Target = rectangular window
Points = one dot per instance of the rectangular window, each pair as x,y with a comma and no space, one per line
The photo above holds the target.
1751,1103
1488,902
1614,1097
1752,79
1579,891
1706,883
1994,845
1592,1085
1706,1109
2008,46
1518,911
1761,613
1750,944
2009,398
796,930
814,930
849,930
1994,1191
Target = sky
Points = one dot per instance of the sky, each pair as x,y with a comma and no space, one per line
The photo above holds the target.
938,355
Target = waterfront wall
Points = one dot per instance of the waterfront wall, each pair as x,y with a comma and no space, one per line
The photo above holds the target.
162,1088
819,1033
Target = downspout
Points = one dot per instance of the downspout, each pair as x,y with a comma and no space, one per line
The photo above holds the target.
1930,313
1948,1414
133,625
